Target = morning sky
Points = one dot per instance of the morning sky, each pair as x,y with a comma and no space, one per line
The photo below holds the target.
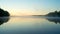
29,7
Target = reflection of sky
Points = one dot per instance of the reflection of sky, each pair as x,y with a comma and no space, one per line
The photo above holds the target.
24,7
29,25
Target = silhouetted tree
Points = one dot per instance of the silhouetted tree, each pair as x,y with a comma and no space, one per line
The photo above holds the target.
59,13
3,13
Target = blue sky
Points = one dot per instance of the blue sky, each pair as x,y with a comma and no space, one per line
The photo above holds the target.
30,7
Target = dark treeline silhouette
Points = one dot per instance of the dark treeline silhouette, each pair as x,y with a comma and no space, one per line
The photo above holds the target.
54,14
3,13
4,16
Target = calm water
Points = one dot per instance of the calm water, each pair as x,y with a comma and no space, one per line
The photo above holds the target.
29,25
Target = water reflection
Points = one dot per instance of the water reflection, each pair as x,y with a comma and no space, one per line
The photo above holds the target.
3,20
55,20
29,26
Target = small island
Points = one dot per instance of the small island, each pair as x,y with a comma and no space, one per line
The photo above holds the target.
4,13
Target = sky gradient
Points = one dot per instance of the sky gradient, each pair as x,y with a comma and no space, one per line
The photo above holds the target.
29,7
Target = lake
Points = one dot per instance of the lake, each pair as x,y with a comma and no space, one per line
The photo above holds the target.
29,25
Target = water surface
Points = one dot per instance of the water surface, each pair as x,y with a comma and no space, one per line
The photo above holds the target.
29,25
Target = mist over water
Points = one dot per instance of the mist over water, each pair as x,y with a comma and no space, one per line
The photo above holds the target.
30,25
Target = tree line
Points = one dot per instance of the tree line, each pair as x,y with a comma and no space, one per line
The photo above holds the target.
54,14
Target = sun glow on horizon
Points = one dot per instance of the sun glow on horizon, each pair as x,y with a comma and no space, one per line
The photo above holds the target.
25,13
29,7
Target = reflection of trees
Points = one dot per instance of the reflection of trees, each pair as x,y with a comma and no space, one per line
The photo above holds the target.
3,20
55,20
